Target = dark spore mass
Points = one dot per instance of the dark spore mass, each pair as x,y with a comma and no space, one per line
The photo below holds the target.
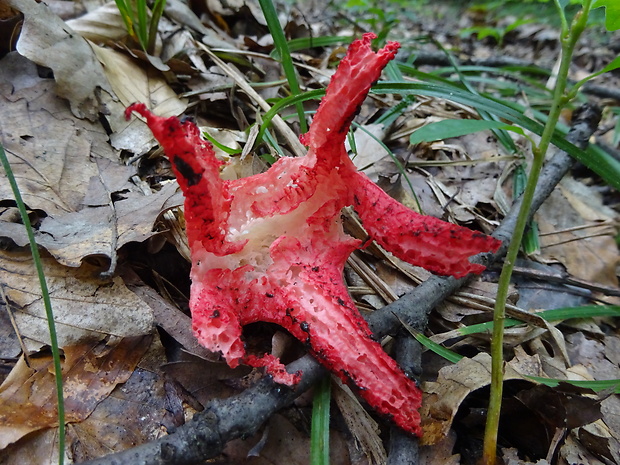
187,172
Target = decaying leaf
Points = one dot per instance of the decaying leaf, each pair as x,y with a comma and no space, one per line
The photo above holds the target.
101,24
69,174
48,41
146,407
279,439
85,308
90,373
575,213
443,398
52,154
134,83
364,429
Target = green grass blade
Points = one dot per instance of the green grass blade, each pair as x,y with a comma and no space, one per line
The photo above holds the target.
142,23
597,386
273,23
455,128
271,140
605,166
595,159
399,165
501,134
429,344
530,242
319,435
283,103
125,12
46,302
586,311
156,12
222,147
437,348
557,314
305,43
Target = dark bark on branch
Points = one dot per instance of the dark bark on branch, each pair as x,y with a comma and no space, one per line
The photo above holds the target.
404,448
243,414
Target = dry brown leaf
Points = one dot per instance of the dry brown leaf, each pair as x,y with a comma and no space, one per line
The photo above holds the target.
93,231
440,453
599,440
101,24
587,253
133,82
48,41
511,457
101,227
281,442
52,153
204,380
38,448
454,383
65,167
90,373
142,409
172,320
9,343
368,150
84,308
573,452
364,429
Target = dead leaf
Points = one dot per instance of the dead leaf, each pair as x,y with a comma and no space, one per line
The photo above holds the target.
587,253
134,83
170,319
144,408
101,24
561,408
591,354
368,149
440,452
9,344
511,457
204,380
102,230
90,373
84,308
573,452
283,442
599,440
48,41
52,154
454,383
66,168
38,448
364,429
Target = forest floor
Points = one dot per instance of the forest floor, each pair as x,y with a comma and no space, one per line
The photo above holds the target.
108,220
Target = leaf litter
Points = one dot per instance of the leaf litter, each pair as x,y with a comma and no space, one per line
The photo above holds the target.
84,187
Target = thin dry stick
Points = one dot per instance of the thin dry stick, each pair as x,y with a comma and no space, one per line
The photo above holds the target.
291,138
242,415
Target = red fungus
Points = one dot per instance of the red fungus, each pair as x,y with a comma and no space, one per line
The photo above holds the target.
271,247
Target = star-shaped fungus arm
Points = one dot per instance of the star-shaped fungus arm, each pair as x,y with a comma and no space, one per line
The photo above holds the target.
271,247
441,247
425,241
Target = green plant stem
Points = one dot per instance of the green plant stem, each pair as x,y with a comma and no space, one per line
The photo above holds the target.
568,41
279,41
319,436
46,302
156,12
